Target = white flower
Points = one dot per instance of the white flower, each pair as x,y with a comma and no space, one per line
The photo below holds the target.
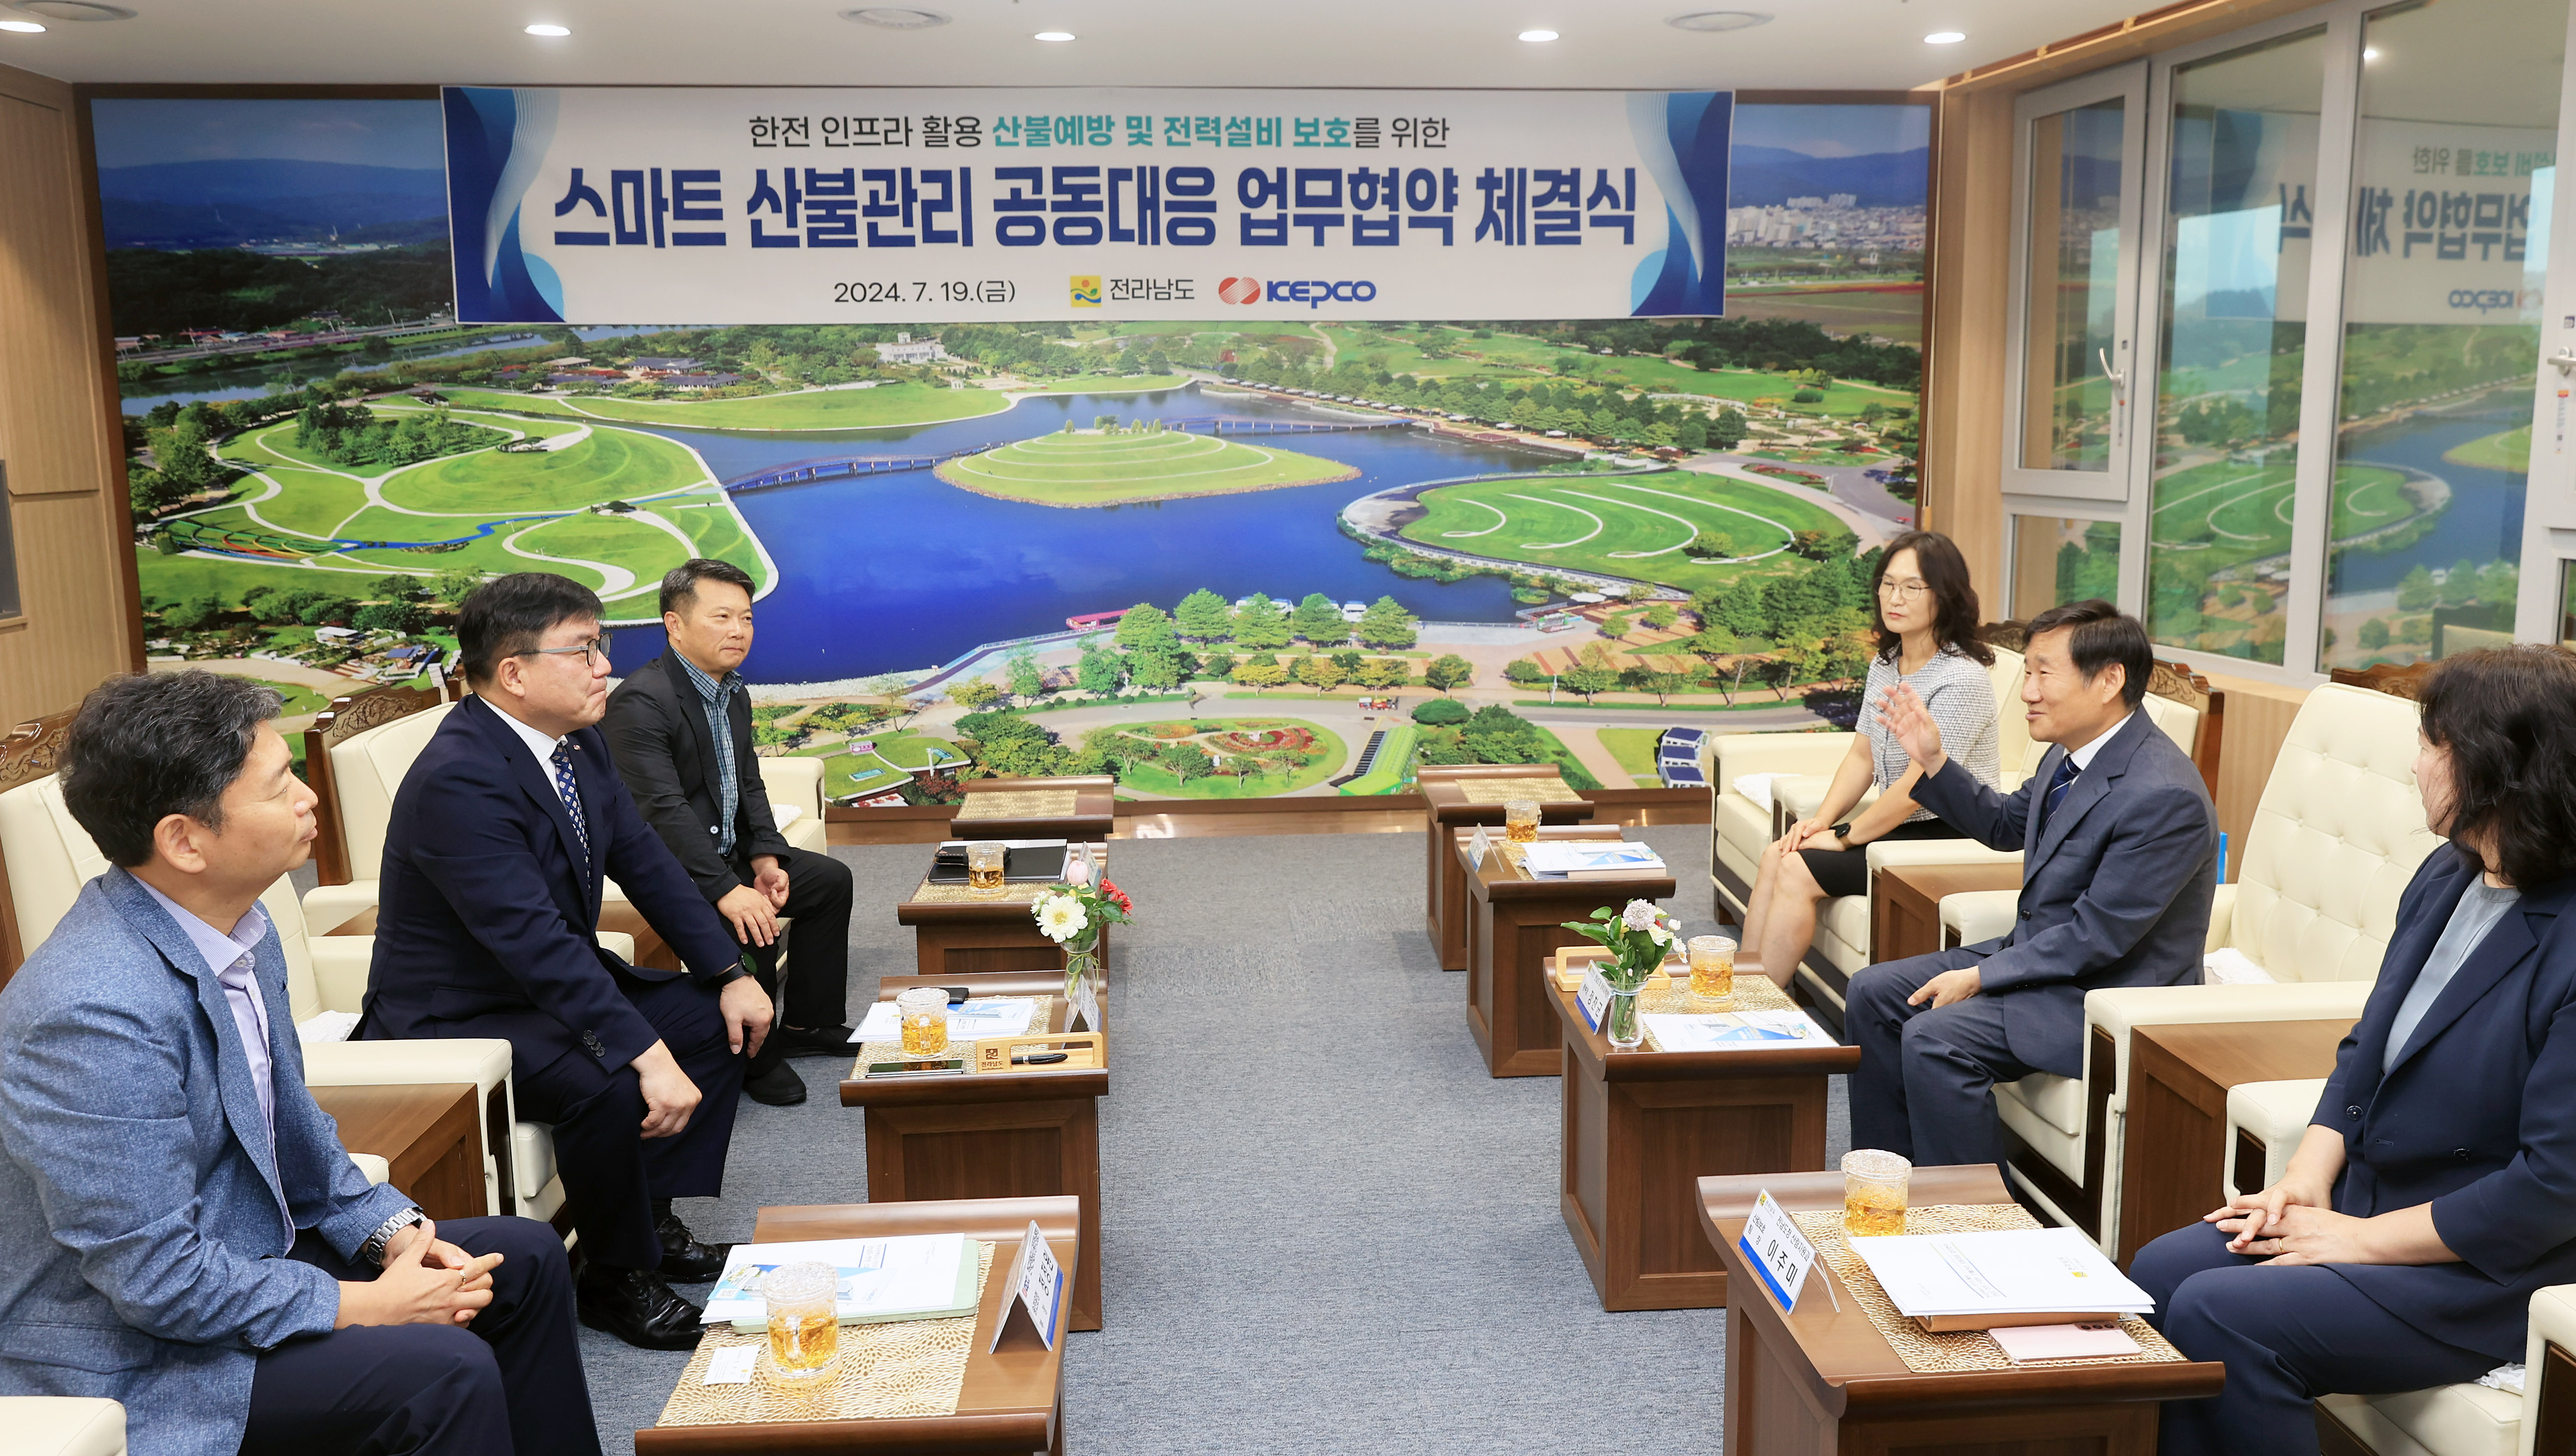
1661,935
1639,915
1060,918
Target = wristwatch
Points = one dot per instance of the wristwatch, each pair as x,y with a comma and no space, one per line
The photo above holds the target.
373,1250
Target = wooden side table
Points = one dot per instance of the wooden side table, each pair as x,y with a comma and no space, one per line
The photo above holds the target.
427,1134
1091,814
1516,925
1642,1127
1905,904
954,936
2173,1162
1034,1132
1011,1401
1447,807
1819,1379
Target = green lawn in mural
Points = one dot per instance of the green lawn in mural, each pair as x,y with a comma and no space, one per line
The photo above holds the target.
1093,468
1621,525
813,409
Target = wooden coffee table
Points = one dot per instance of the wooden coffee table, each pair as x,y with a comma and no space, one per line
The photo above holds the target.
1819,1379
1007,1135
2173,1162
1091,815
1011,1401
1642,1127
953,935
1446,908
427,1134
1515,925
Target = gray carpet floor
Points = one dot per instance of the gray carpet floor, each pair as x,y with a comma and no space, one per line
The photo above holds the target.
1325,1228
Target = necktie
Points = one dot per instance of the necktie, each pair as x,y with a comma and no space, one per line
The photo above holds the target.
2058,784
571,796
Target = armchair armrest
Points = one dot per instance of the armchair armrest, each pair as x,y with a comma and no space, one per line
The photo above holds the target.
619,944
63,1425
797,781
340,967
328,907
2275,1114
483,1061
2222,918
1737,754
1885,853
376,1168
2553,1322
1980,914
2123,1009
1803,794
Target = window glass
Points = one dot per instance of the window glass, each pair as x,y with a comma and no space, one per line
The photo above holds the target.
2567,605
2058,560
2454,160
2240,206
2074,252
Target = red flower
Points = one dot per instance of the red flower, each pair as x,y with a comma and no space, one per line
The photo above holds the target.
1117,896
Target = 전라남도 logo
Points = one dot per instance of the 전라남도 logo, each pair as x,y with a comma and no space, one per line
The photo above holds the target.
1086,290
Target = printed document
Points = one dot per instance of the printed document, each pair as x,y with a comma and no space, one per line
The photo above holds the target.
1728,1031
984,1016
916,1274
2010,1271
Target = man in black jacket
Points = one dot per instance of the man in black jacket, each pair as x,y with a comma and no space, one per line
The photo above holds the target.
680,731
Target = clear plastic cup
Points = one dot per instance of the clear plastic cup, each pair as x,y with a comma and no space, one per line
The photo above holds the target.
1874,1193
804,1325
1520,821
984,866
925,1020
1712,967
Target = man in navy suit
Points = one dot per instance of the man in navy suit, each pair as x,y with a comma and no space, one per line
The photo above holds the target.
2119,849
486,926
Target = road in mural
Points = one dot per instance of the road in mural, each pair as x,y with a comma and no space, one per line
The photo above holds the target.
1220,559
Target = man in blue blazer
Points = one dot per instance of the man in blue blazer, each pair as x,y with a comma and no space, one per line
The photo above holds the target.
180,1228
486,925
2119,849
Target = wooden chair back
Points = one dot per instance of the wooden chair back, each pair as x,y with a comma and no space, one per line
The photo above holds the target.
345,719
2386,677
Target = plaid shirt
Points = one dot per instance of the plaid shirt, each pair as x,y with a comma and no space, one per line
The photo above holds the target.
718,697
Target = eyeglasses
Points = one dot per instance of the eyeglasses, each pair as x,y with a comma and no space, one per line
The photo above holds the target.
1903,591
594,649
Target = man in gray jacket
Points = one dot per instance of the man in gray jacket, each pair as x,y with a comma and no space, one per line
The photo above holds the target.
180,1228
2119,849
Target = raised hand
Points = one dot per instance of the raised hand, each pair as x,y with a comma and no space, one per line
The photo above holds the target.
1906,720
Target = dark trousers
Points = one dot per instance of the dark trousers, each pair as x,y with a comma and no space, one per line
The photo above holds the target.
1925,1086
511,1381
611,1174
2287,1334
818,969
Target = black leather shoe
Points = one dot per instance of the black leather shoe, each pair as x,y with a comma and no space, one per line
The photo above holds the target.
812,1041
776,1084
683,1257
637,1306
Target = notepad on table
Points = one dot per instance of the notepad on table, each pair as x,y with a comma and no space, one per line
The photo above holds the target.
1596,859
1979,1281
982,1017
880,1281
1727,1031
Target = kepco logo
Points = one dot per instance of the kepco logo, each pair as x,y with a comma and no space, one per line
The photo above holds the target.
1315,293
1240,290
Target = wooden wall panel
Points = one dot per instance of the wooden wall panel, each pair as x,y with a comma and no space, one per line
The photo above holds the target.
1964,375
2258,723
58,434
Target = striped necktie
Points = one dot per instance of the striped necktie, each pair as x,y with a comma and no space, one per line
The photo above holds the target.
2058,784
571,795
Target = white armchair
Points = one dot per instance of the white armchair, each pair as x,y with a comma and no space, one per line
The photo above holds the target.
50,857
62,1425
2336,835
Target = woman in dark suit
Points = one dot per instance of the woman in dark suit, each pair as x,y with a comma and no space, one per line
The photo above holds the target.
2436,1187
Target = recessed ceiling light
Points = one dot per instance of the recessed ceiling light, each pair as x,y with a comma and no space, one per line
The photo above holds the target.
83,10
23,27
548,30
895,17
1945,37
1538,35
1055,35
1710,20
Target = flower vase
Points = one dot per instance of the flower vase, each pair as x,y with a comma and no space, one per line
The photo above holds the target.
1620,1024
1081,984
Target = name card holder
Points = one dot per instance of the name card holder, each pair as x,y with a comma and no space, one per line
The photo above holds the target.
1085,1051
1781,1256
1479,844
1037,1295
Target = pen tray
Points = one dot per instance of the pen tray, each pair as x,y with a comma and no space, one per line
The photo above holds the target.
1085,1051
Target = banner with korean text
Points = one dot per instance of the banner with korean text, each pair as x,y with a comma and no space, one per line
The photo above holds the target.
602,205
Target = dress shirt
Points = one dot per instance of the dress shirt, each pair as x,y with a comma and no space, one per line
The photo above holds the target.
2084,756
2480,907
232,960
717,695
540,747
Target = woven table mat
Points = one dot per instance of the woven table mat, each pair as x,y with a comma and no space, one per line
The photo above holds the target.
1959,1351
1018,804
909,1368
1503,791
1752,993
892,1051
1025,893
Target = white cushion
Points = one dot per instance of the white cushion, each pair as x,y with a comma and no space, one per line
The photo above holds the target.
376,1168
532,1157
1980,915
50,857
2058,1101
2277,1115
366,769
328,907
2447,1420
2063,1150
2180,721
62,1425
1842,932
2553,1322
483,1061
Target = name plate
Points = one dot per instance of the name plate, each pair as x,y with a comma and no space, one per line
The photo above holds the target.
1594,997
1779,1254
1083,1051
1086,1007
1479,845
1037,1291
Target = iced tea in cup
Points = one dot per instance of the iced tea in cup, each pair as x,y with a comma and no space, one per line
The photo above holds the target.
984,866
1520,821
1874,1193
925,1020
1712,966
804,1325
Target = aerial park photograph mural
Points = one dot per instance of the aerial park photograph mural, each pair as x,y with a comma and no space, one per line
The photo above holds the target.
1236,443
